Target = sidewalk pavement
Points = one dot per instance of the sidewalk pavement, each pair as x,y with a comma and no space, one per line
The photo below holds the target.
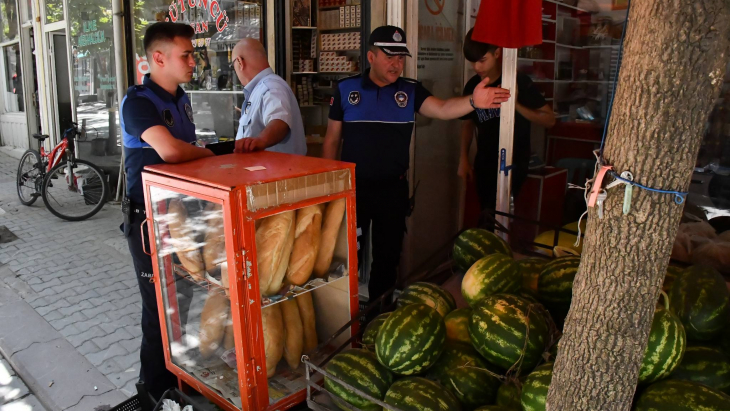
14,394
69,303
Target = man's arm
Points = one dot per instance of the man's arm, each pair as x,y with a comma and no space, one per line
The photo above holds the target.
543,116
484,97
170,149
467,135
272,135
332,139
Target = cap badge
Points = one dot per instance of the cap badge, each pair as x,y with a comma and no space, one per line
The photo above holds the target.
397,37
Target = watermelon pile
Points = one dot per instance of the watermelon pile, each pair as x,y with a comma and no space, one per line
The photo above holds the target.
491,355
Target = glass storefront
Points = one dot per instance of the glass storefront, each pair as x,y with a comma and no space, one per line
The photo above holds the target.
54,10
215,91
13,79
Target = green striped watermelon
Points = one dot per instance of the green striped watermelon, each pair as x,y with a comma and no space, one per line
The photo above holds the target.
429,294
495,408
462,371
420,394
700,299
499,331
457,325
371,330
555,284
493,274
476,243
535,388
411,339
360,369
705,365
678,395
531,269
672,273
508,395
667,342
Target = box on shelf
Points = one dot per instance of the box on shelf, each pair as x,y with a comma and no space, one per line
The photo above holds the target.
232,277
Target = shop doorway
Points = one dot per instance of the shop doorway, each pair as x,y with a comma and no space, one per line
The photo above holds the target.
62,114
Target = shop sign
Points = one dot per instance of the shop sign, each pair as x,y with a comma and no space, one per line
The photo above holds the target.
211,6
91,35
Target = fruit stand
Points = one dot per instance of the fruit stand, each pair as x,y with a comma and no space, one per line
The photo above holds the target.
255,266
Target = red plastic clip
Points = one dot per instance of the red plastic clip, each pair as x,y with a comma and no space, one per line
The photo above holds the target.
597,185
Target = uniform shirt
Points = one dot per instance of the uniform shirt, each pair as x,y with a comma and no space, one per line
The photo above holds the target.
144,107
487,124
268,97
377,123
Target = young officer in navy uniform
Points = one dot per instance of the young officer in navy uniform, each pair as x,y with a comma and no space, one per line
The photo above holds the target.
373,114
157,127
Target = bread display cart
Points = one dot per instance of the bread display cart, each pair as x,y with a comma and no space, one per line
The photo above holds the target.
255,266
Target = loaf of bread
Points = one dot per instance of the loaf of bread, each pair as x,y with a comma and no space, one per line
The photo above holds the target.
274,336
307,235
229,341
213,321
224,277
274,239
182,241
294,333
214,250
330,229
309,325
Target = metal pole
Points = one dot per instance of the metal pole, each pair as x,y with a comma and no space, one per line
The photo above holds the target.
506,133
121,75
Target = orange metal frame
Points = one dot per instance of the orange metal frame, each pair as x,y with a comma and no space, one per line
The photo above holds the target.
240,234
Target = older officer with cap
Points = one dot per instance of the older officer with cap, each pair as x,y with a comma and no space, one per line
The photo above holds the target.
373,114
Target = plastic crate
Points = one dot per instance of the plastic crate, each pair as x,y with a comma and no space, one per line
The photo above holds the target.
182,399
132,404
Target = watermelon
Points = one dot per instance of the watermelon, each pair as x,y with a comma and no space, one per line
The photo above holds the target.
555,284
493,274
494,408
705,365
672,273
371,330
411,339
508,332
535,388
429,294
508,395
701,300
678,395
667,342
457,325
462,371
531,269
476,243
360,369
420,394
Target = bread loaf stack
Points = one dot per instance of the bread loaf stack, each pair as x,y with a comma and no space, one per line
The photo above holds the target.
330,229
183,240
213,321
274,240
289,331
214,249
274,337
307,236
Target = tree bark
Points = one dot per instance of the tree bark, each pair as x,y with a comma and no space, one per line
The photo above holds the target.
675,54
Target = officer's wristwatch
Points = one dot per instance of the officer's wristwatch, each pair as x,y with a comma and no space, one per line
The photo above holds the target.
471,101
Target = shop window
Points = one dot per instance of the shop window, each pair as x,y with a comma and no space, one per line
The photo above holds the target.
13,80
8,21
215,91
54,10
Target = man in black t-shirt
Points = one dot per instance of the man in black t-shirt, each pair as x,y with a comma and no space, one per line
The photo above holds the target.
373,115
530,107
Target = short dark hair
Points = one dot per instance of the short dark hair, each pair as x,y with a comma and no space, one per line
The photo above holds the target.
475,50
165,32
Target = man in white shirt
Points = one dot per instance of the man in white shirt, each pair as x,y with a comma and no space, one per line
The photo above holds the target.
270,117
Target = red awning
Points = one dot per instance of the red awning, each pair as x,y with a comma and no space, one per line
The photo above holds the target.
509,23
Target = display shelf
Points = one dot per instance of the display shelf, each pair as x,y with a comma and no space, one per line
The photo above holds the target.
569,46
304,72
549,20
339,72
210,283
535,60
568,6
304,28
342,29
311,285
548,41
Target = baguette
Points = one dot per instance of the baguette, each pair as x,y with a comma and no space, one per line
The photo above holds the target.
306,312
294,333
185,247
214,250
230,340
272,238
306,244
274,336
277,280
330,229
213,320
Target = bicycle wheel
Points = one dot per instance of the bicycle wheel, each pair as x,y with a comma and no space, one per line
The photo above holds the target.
30,177
78,199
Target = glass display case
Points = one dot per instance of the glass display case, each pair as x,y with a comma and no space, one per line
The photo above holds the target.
255,267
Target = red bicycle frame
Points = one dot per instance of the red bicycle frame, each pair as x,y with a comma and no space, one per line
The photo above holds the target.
54,157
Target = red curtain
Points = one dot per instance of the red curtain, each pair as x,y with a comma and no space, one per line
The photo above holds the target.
509,23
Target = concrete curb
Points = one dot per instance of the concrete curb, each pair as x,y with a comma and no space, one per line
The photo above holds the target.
61,378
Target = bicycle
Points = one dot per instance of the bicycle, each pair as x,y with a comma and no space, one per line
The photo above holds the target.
71,188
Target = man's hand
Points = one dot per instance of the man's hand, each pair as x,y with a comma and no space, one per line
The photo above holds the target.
489,97
465,170
247,145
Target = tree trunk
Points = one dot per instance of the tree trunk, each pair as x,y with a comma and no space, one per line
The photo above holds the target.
674,61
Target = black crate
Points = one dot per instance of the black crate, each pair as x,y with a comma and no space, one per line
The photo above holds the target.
182,399
132,404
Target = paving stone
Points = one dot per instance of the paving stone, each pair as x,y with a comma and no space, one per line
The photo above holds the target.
88,347
129,361
61,303
109,339
74,318
93,332
111,352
